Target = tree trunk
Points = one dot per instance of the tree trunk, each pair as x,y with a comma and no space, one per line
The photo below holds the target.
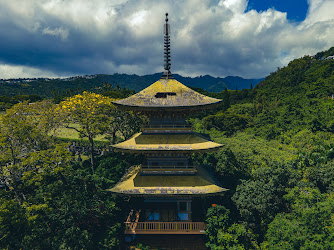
91,141
12,152
17,194
62,178
113,135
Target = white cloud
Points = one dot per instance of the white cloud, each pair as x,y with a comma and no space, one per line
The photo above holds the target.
138,18
320,11
237,6
216,37
19,71
57,32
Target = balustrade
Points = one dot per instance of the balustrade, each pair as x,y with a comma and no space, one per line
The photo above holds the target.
165,227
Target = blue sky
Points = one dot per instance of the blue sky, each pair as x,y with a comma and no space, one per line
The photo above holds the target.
296,9
57,38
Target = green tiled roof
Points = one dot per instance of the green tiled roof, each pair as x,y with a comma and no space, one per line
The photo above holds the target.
175,95
167,142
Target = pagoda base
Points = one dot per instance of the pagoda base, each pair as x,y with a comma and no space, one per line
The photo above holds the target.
175,242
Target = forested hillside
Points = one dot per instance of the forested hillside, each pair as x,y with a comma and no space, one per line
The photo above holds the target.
278,164
278,161
56,88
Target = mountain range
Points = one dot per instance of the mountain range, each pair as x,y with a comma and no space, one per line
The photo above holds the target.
46,87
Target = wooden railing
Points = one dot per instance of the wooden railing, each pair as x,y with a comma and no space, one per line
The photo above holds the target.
169,166
167,126
165,227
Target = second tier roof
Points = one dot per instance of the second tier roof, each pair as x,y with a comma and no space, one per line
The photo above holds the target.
143,142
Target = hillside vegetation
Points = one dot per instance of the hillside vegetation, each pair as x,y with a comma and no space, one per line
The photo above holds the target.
278,160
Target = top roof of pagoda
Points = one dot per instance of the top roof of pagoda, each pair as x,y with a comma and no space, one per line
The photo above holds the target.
167,93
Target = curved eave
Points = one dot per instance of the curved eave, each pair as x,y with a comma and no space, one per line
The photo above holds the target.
161,192
178,96
146,143
144,108
139,151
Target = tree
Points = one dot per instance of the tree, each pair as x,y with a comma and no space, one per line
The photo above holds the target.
225,164
224,234
259,199
20,135
124,124
226,99
13,223
228,122
92,113
308,226
65,208
46,116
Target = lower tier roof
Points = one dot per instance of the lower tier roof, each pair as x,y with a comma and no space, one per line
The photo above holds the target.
147,142
133,183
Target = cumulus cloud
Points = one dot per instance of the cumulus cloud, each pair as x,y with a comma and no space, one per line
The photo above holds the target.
13,71
217,37
57,32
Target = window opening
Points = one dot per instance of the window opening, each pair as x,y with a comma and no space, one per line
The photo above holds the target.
183,206
164,94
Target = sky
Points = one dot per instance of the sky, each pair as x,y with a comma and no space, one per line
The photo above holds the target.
60,38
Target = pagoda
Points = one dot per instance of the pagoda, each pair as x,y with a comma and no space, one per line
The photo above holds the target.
164,187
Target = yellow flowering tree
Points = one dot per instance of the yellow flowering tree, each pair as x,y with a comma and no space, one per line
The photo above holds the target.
92,112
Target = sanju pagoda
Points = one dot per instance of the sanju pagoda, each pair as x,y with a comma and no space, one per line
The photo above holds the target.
165,190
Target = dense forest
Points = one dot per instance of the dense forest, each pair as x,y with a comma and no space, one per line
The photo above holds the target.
278,164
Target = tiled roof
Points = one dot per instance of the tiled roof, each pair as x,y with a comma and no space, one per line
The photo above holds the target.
133,183
167,93
143,142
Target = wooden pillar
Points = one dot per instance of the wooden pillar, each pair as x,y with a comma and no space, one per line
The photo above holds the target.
189,210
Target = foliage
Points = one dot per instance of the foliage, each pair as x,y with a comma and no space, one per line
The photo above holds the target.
8,101
253,151
308,226
227,168
226,122
91,112
64,206
46,199
22,135
224,234
13,223
259,199
111,168
62,211
142,246
286,148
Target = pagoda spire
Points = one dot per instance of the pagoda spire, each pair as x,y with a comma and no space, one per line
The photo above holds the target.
167,74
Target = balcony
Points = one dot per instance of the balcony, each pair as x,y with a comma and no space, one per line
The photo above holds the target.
163,128
165,227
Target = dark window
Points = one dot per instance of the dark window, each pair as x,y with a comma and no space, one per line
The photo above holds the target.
180,164
164,94
183,206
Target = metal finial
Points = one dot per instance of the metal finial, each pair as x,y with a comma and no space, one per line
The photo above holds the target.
167,74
